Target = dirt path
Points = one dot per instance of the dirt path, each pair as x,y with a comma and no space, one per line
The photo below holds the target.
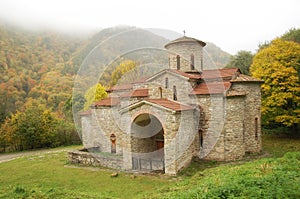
5,157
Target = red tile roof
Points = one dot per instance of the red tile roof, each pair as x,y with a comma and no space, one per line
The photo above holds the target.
120,87
84,113
190,76
207,88
245,78
141,92
110,101
176,106
219,73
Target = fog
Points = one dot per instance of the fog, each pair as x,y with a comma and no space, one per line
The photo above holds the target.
233,25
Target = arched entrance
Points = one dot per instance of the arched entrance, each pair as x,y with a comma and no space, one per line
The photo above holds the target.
147,143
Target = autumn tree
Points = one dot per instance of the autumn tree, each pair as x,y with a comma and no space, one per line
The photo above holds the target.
242,60
123,68
34,126
279,66
93,94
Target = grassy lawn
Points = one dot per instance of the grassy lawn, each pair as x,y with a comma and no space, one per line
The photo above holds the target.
277,146
50,176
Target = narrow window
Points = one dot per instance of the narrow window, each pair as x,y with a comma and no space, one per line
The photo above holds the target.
256,127
174,93
192,62
167,83
201,138
178,62
160,92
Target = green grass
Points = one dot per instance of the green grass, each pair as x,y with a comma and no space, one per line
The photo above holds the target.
277,146
50,176
264,178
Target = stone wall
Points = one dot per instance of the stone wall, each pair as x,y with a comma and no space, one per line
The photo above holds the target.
183,87
211,124
185,137
93,159
185,50
98,127
234,145
252,132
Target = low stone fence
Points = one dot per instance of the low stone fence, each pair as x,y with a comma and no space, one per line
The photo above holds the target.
95,159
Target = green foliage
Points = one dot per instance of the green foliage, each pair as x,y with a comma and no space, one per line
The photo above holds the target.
242,60
265,178
279,66
35,126
292,35
93,94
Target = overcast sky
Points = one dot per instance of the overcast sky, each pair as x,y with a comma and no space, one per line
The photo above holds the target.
233,25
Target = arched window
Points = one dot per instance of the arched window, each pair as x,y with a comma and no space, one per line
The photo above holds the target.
160,92
256,127
178,62
167,82
113,143
192,62
174,93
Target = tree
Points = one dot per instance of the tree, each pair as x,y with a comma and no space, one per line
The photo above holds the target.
279,66
292,35
93,94
32,127
123,68
242,60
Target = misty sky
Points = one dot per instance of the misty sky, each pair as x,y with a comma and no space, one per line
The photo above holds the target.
233,25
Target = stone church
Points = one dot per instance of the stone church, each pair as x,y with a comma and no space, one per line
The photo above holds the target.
163,121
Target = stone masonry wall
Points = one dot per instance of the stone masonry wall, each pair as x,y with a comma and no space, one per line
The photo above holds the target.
183,87
211,124
86,158
98,127
185,50
253,142
234,146
185,138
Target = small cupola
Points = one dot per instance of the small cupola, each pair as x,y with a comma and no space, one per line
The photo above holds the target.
186,54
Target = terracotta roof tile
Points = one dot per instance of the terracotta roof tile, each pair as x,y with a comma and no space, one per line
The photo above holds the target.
176,106
190,76
120,87
207,88
219,73
85,113
245,78
141,92
107,102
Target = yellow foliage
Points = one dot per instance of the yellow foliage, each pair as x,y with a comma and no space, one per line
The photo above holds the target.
93,94
279,65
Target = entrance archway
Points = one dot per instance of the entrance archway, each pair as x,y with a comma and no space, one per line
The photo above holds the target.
147,143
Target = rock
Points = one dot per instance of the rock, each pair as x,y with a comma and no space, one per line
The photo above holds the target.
133,176
114,175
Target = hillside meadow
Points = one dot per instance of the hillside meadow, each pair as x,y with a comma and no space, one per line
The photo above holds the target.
273,174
